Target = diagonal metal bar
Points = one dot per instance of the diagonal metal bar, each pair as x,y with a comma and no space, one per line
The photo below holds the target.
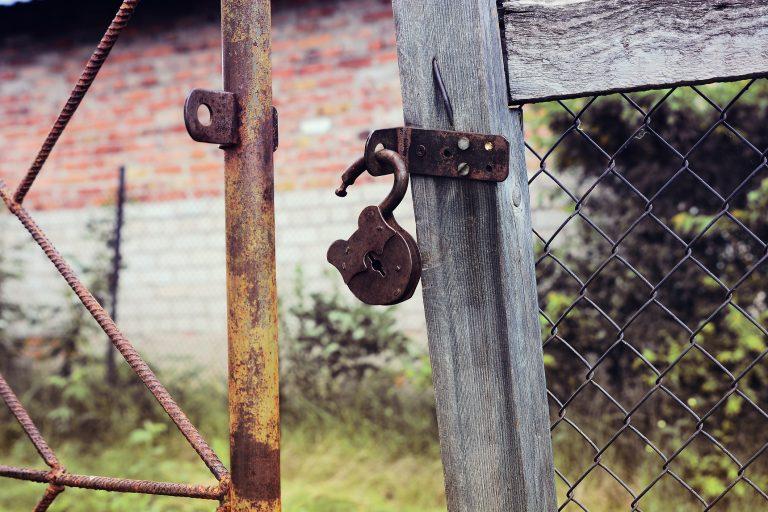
78,93
123,346
45,451
50,494
21,414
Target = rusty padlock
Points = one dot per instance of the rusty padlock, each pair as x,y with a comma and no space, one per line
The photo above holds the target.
380,263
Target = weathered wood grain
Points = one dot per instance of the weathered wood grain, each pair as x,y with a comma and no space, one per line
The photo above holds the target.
566,48
478,282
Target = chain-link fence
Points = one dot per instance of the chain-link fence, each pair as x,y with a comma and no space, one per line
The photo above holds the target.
653,295
170,295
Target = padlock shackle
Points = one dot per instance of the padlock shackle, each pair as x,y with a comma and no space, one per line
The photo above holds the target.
350,175
386,158
393,159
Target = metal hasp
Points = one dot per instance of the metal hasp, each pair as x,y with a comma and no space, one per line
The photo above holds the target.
381,262
447,154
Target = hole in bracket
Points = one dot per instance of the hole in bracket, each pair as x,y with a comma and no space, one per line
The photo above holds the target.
204,114
447,153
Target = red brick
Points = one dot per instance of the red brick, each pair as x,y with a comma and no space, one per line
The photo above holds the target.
323,56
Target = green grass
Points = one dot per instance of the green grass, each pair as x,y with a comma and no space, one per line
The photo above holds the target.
329,466
328,469
335,471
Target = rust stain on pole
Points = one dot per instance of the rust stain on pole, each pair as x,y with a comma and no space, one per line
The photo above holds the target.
251,282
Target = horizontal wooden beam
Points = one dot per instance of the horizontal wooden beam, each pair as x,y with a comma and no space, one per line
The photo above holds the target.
569,48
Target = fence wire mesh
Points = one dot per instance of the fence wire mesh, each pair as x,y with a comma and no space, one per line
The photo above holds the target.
651,240
57,477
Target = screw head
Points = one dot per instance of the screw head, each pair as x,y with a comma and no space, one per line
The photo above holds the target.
463,169
421,151
463,143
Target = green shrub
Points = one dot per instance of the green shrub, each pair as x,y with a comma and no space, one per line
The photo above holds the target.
342,358
82,406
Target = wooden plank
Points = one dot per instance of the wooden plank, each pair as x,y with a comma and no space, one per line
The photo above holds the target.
567,48
478,283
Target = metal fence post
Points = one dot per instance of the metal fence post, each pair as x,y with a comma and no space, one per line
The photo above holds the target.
251,283
478,280
114,277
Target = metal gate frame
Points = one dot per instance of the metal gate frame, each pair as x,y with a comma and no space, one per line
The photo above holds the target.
254,480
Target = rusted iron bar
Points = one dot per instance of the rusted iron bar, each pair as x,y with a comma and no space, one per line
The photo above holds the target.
49,496
76,96
103,483
123,346
39,442
22,416
251,282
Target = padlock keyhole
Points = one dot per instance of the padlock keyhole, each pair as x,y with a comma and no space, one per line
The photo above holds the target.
376,264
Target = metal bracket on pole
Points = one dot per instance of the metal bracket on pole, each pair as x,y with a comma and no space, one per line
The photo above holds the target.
224,118
223,125
448,154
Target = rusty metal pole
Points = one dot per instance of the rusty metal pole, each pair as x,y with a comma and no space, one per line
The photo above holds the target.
114,276
251,284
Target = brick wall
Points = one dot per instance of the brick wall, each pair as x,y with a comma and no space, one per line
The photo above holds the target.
172,295
335,78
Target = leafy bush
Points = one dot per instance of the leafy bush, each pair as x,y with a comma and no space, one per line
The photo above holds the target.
340,362
82,406
342,358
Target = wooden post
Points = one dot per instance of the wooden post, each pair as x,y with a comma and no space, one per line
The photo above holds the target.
478,283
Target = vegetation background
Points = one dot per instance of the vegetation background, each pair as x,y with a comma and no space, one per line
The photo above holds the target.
357,405
654,296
